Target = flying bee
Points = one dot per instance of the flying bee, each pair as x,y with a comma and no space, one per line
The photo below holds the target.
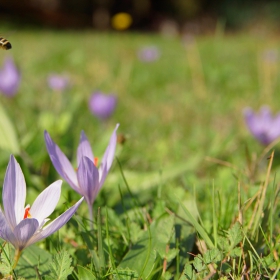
5,44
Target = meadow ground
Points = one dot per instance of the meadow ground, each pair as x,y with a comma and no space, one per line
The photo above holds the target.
191,194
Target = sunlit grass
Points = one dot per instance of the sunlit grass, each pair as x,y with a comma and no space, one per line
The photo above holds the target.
187,151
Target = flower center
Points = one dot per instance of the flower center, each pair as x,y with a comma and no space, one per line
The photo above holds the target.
26,212
95,161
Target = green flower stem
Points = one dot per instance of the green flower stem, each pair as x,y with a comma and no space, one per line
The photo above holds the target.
16,258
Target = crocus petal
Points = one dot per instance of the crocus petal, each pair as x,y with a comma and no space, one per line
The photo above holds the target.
250,119
2,222
46,202
265,114
56,224
24,231
84,149
14,193
61,163
263,125
5,231
108,156
248,113
88,179
9,78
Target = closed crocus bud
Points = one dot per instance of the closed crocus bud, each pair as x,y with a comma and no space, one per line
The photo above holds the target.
102,105
58,82
9,78
149,54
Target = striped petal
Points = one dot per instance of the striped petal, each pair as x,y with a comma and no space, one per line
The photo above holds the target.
61,163
14,193
24,231
84,149
108,156
56,224
46,202
88,179
5,231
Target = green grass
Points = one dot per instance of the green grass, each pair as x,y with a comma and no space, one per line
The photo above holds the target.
180,115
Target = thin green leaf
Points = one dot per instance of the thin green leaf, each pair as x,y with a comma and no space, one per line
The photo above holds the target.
100,241
5,261
199,228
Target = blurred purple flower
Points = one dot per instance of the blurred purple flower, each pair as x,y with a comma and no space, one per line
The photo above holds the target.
58,82
9,78
149,54
264,126
102,105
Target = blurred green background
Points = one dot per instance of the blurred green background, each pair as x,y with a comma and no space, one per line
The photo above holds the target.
177,113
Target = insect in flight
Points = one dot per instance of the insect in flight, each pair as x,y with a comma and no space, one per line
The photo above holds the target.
5,44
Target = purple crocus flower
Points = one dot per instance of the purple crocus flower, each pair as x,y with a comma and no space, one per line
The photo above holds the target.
58,82
9,78
88,179
102,105
263,125
149,54
23,226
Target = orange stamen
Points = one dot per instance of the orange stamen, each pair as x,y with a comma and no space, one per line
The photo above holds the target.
95,162
26,213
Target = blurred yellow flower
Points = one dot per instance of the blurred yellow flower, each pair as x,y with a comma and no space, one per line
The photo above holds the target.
121,21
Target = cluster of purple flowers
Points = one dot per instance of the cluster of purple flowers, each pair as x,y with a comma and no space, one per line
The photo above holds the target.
100,104
22,225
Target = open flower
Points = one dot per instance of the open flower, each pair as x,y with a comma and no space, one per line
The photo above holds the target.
58,82
24,225
102,105
263,125
88,179
9,78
